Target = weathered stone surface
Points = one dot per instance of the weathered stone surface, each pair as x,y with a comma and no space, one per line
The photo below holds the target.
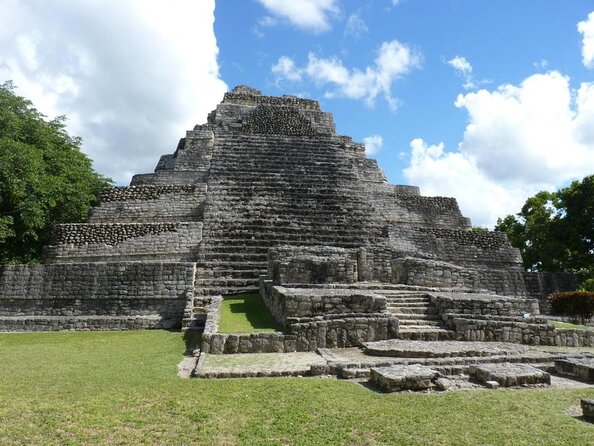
441,349
587,406
403,377
509,374
581,368
262,173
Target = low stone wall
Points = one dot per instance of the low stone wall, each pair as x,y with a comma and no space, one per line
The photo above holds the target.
222,343
533,332
285,303
315,264
83,323
503,319
305,335
477,304
342,330
93,295
124,242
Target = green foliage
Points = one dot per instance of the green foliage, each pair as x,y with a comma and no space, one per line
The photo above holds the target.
555,231
480,229
44,178
245,313
578,305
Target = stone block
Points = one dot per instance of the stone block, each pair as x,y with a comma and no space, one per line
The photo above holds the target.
581,368
403,377
587,408
509,374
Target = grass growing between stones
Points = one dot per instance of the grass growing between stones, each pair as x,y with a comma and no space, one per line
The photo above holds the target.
245,313
559,324
121,388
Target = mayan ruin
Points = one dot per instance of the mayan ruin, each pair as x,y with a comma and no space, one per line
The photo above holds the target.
267,197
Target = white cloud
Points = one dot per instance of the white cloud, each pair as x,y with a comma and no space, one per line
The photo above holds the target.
355,26
461,65
464,70
520,139
285,68
310,15
393,61
130,76
586,29
395,2
373,144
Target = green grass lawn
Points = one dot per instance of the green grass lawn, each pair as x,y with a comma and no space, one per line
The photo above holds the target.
121,388
245,313
559,324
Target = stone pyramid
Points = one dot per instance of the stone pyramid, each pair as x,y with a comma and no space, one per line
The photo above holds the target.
263,172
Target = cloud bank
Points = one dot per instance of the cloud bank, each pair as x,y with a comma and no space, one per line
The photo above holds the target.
130,76
520,139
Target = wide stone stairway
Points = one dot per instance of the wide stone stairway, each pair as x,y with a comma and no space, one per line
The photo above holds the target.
272,190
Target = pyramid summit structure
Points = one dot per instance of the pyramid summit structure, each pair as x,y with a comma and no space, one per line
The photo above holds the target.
266,195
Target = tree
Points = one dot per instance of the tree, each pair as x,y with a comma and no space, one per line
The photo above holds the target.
555,231
44,178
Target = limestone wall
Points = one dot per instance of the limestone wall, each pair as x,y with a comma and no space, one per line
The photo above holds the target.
433,273
468,248
82,242
317,264
524,332
94,295
286,303
149,204
476,317
483,304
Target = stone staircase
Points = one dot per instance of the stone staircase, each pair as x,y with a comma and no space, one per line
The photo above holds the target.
270,190
417,316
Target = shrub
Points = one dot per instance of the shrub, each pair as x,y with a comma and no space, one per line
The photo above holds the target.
578,305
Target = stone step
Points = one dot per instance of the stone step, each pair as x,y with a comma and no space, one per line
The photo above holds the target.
415,317
277,233
226,290
406,300
82,323
407,323
236,266
227,283
236,257
231,274
423,333
414,310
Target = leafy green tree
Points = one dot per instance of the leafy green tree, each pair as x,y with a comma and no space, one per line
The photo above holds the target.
555,231
44,178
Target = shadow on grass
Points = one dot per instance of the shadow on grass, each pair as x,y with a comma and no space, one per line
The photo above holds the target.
192,340
246,310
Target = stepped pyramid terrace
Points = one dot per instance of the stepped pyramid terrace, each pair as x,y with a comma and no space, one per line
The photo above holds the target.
266,197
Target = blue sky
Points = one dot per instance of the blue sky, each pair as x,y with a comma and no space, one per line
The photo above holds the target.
487,101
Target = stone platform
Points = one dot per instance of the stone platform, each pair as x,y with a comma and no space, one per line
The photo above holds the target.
509,375
441,349
448,357
403,377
